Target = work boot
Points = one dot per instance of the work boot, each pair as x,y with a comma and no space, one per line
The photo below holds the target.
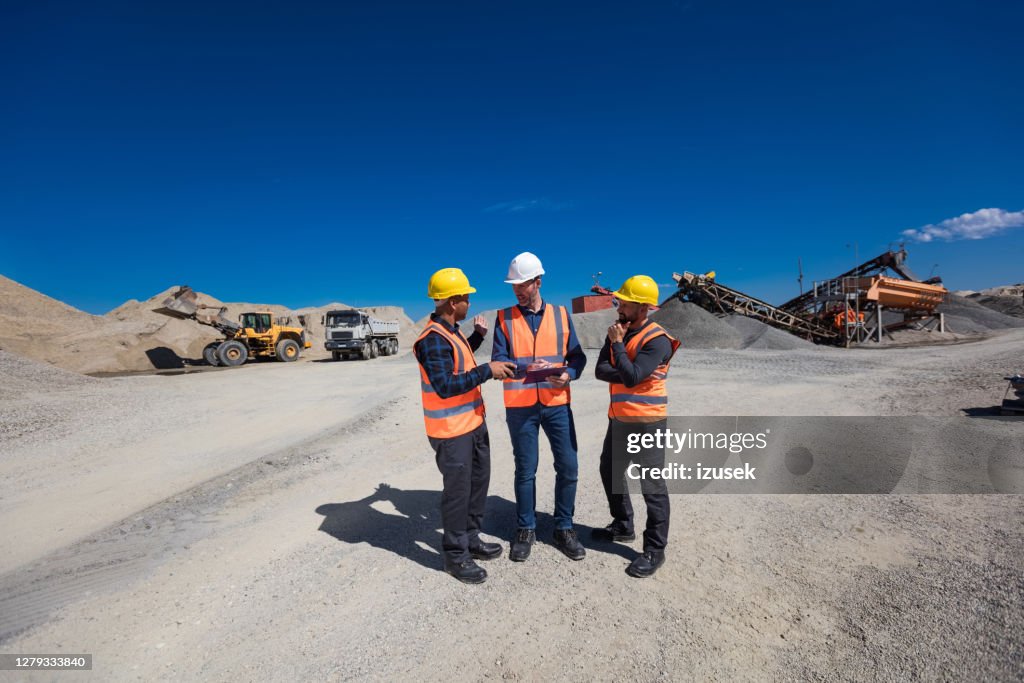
520,549
566,541
482,550
616,532
646,564
467,571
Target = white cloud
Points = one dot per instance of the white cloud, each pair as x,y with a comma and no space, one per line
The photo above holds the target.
969,226
523,205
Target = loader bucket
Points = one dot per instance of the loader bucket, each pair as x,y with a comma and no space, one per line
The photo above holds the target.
180,305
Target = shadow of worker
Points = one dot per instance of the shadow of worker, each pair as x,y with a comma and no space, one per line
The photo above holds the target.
407,523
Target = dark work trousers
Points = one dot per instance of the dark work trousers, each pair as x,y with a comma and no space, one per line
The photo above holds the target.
614,470
465,463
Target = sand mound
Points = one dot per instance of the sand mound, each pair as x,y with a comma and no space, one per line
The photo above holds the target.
695,327
758,335
20,302
30,321
407,329
132,337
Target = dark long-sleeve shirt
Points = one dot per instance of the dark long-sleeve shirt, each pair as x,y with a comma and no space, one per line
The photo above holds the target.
575,359
631,372
437,357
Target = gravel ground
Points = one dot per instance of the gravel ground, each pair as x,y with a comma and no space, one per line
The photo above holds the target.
306,545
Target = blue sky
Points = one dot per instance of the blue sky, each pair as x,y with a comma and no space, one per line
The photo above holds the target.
308,153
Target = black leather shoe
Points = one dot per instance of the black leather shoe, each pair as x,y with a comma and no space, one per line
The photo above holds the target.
616,532
646,564
485,551
520,549
566,541
467,572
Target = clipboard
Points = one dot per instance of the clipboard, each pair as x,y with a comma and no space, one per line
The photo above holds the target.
536,376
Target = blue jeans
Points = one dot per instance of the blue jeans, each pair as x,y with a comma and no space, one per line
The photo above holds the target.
524,427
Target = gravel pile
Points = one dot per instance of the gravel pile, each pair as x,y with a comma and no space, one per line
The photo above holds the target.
1007,305
696,328
23,384
20,376
592,328
758,335
964,315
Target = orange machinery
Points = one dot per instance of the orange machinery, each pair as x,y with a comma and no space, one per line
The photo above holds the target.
890,292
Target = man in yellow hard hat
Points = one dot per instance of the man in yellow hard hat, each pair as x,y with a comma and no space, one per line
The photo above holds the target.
453,412
635,362
537,335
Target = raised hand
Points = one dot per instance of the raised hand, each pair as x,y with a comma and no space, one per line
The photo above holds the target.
480,325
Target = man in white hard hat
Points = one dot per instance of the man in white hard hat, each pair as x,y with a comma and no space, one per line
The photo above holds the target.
453,413
536,336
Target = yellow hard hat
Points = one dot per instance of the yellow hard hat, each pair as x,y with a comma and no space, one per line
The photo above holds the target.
639,289
448,282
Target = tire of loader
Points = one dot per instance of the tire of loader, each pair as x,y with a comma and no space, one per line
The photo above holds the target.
232,353
287,350
210,354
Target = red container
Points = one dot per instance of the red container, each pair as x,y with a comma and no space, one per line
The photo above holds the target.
591,302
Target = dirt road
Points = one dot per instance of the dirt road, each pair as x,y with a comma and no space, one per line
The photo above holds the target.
280,522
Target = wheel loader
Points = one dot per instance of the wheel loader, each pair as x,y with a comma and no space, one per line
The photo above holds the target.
257,334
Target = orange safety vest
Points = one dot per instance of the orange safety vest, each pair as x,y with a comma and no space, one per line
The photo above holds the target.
551,343
446,418
648,400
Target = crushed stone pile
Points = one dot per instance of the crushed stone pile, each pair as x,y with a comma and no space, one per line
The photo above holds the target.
20,376
967,316
592,328
1007,304
758,335
695,327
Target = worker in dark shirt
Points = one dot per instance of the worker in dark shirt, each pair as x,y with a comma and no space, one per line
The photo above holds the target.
453,412
635,362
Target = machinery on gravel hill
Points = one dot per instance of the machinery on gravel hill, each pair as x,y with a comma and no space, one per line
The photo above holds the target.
257,334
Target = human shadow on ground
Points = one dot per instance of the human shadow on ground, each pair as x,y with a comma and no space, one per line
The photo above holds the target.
417,520
991,411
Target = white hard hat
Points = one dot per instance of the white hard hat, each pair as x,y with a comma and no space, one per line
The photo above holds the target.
524,268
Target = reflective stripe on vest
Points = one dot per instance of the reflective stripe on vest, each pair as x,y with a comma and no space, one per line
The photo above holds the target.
446,418
648,400
551,343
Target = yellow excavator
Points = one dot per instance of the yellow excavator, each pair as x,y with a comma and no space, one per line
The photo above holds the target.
257,334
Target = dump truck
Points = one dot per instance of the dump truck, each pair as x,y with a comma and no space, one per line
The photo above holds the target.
350,333
257,334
